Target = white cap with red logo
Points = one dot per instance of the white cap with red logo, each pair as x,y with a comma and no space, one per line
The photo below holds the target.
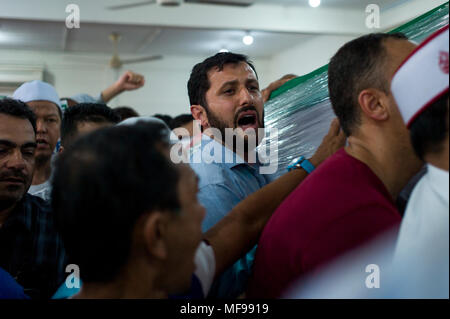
423,76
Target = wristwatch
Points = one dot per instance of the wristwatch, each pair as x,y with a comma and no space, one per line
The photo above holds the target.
302,162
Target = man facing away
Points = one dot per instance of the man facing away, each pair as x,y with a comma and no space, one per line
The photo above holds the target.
144,238
84,118
350,198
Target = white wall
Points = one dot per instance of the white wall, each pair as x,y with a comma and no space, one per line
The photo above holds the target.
306,57
316,51
164,92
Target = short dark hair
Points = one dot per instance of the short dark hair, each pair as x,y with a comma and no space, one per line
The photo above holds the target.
164,117
18,109
125,112
84,112
181,120
358,65
101,189
430,128
199,84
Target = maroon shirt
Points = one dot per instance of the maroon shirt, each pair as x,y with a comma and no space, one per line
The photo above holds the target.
341,205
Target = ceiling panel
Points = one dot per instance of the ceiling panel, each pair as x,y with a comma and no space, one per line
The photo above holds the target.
148,39
138,40
22,34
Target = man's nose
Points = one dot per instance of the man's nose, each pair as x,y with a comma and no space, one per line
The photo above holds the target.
41,126
245,97
16,161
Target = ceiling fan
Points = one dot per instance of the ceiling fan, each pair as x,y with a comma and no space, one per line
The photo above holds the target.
174,3
116,62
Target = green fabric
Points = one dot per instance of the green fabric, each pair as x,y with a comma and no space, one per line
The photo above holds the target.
301,110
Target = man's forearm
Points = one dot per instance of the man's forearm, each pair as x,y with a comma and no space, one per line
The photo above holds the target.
110,92
239,231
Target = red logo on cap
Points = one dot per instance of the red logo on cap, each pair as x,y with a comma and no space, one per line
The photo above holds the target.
443,61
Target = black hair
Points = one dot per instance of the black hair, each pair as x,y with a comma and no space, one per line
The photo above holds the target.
199,84
18,109
84,112
101,189
430,128
166,118
125,112
358,65
181,120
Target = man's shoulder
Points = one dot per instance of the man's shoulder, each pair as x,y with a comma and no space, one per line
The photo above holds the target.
341,186
34,208
426,206
342,174
340,163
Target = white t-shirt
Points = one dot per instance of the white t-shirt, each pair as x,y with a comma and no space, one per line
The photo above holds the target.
205,263
423,243
42,190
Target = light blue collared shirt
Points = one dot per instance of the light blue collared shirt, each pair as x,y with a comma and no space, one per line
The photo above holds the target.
224,182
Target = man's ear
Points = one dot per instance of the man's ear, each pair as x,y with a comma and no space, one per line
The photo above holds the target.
155,232
61,149
199,113
374,104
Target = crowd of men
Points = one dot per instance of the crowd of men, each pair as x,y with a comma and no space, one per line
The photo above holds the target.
99,189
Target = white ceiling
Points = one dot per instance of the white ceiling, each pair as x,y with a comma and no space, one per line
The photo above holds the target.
197,30
138,40
346,4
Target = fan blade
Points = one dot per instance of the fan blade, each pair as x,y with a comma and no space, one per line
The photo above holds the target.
85,58
131,5
235,3
143,59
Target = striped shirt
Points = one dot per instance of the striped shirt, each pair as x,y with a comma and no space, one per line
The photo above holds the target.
31,249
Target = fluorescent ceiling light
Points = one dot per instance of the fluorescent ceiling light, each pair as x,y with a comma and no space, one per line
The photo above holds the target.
314,3
248,39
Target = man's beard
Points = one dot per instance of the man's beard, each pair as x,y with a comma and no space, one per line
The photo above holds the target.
217,123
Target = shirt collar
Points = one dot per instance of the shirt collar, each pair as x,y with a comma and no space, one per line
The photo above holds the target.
226,153
439,180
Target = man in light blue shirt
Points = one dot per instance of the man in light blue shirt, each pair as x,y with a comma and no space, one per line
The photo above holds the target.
225,98
224,94
224,184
